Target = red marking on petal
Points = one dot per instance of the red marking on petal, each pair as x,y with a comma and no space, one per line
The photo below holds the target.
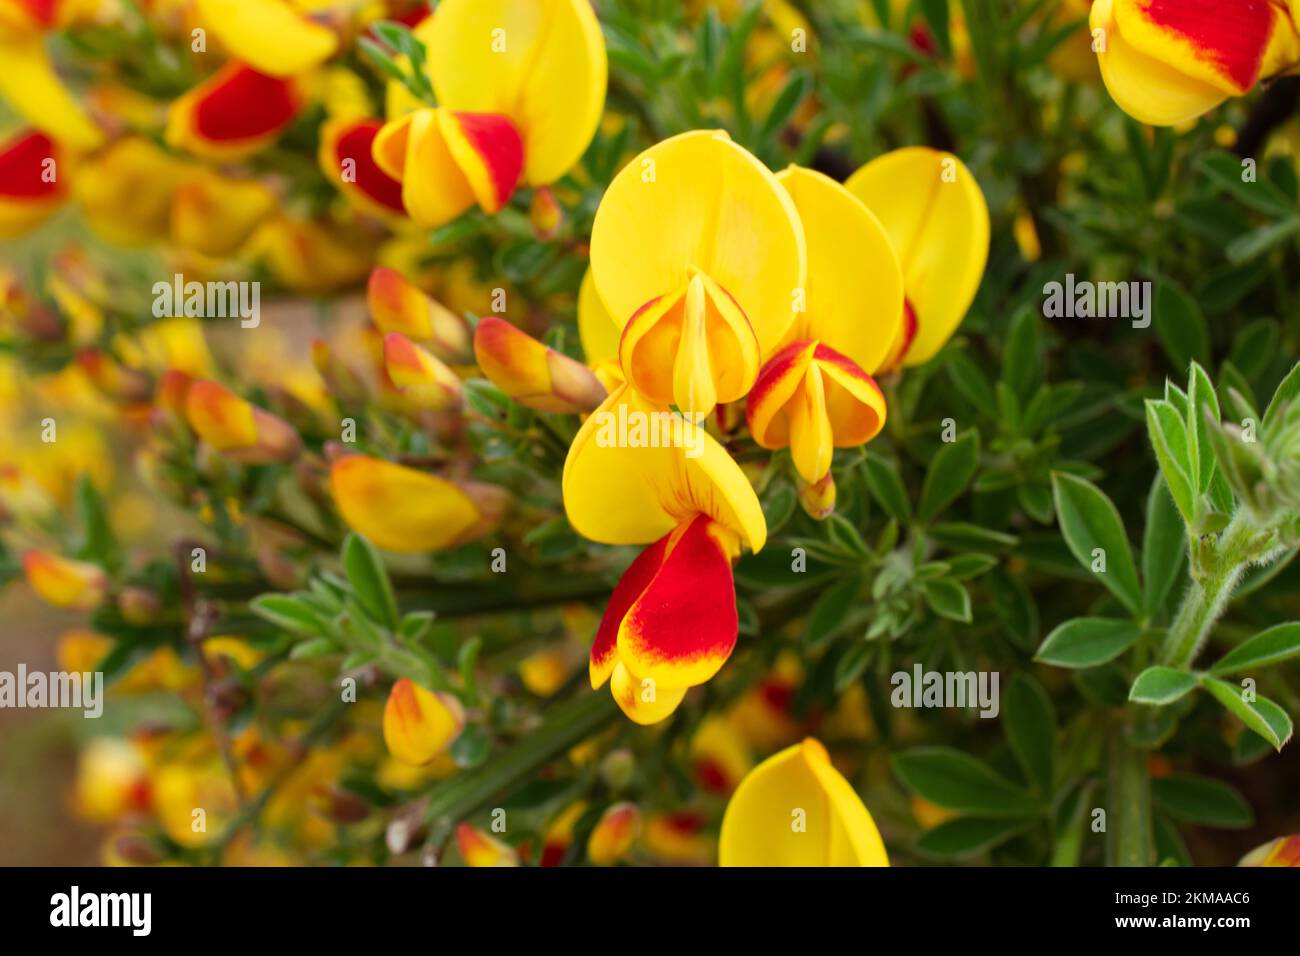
22,163
43,12
634,581
355,144
497,141
686,619
1232,36
824,353
240,103
771,372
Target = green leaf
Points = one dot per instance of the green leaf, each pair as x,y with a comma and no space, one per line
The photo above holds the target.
290,613
963,536
1200,395
1261,715
1089,522
1181,326
1285,393
1202,801
1259,241
1087,642
948,599
949,473
369,580
1164,547
850,667
830,612
99,545
1277,644
886,487
955,780
966,837
472,747
937,17
969,379
1022,362
1168,434
1162,685
1029,721
1015,609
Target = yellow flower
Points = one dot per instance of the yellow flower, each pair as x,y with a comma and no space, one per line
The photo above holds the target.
520,86
698,254
1166,62
420,724
796,809
936,216
408,511
62,582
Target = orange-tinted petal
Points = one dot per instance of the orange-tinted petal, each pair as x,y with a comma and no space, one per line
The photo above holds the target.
237,428
62,582
422,377
531,373
614,834
479,849
215,214
398,305
419,724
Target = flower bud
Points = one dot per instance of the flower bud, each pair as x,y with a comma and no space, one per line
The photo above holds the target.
614,834
532,374
397,305
237,429
62,582
419,724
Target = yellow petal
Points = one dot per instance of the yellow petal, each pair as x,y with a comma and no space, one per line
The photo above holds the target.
939,225
796,809
269,35
541,63
29,83
614,834
215,214
398,508
619,490
596,327
643,701
63,582
855,285
699,203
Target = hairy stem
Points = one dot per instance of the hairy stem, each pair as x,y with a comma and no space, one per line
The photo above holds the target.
1129,831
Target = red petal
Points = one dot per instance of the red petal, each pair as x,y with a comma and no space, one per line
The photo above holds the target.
631,585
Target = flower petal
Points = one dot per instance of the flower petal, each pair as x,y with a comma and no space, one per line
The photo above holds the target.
531,373
682,628
398,305
642,701
398,508
796,809
28,82
346,159
939,225
62,582
619,488
419,724
215,214
699,203
596,327
637,577
31,186
233,113
541,63
419,374
269,35
855,284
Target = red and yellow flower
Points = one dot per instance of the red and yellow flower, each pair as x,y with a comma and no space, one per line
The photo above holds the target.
32,185
397,305
1166,62
345,158
1284,851
531,373
796,809
939,225
816,393
238,429
671,622
520,86
420,724
63,582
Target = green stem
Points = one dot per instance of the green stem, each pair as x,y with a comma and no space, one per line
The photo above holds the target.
1129,831
564,727
1208,595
